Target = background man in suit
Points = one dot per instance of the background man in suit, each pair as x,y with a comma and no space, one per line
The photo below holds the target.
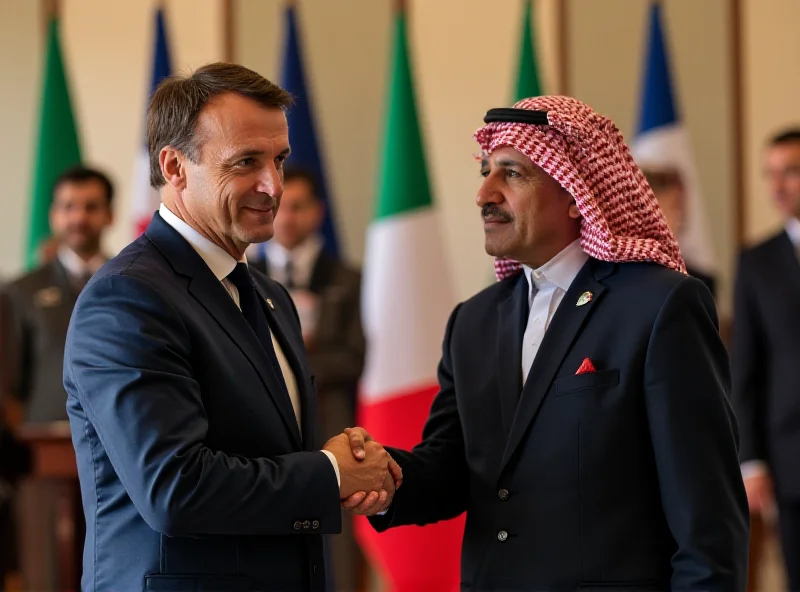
765,354
189,395
327,294
38,305
583,421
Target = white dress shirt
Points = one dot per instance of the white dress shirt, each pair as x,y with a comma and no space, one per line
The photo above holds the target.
547,286
76,267
793,230
221,264
303,257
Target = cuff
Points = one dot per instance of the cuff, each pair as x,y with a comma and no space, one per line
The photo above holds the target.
335,466
754,468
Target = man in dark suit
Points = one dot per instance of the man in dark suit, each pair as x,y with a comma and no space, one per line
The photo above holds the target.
583,422
38,305
765,354
190,400
327,295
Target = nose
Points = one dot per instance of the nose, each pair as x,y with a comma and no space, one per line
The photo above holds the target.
489,192
271,181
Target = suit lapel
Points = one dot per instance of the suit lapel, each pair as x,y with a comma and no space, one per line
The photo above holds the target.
293,352
321,273
213,296
789,259
565,327
512,313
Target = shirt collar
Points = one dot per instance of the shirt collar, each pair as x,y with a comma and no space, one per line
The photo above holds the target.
76,266
560,270
793,230
302,256
219,261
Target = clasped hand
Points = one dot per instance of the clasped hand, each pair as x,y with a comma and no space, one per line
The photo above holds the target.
369,476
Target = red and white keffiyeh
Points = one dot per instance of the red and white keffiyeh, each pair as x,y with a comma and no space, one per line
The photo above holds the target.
586,154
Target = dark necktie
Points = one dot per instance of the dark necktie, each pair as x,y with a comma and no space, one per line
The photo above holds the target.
254,313
289,273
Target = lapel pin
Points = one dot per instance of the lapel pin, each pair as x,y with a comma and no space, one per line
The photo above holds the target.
585,298
269,303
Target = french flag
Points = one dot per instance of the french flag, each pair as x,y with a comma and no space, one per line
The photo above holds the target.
662,142
145,199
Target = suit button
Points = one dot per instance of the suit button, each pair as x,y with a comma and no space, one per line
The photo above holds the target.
502,536
297,525
503,494
315,524
306,525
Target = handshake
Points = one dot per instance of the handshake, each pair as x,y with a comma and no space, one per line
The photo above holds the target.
369,476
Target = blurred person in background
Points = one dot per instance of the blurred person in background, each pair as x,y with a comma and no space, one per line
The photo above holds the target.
38,305
670,191
327,294
765,354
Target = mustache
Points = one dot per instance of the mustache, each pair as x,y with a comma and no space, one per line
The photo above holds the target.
494,213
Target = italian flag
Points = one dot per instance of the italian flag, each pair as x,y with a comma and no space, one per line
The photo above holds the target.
407,299
57,146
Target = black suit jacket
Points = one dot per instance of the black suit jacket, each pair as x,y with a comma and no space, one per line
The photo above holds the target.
192,468
623,478
766,359
37,307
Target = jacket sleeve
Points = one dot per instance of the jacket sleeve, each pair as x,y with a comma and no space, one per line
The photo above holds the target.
128,361
748,367
338,362
435,473
694,437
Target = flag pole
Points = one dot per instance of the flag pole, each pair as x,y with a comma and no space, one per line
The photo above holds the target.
50,9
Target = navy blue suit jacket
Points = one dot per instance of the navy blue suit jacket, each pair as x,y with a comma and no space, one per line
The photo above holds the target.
193,472
626,478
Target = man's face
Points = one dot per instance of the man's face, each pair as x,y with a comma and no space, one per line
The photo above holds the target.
300,216
79,214
782,173
527,215
233,192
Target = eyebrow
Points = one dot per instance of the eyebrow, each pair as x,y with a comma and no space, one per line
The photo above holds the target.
508,162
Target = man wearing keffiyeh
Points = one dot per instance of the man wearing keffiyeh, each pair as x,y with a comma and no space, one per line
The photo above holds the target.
583,420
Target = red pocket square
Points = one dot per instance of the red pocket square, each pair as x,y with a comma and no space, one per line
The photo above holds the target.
585,367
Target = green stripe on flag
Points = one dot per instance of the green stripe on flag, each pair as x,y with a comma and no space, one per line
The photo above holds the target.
403,181
528,83
57,148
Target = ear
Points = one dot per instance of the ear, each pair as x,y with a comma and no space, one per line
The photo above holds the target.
173,167
574,212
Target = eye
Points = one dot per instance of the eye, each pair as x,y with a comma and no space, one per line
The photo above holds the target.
484,173
511,173
246,162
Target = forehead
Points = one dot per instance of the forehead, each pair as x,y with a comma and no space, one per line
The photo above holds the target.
233,120
784,153
88,190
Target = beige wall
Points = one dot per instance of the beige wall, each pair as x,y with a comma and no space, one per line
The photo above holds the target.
771,78
606,59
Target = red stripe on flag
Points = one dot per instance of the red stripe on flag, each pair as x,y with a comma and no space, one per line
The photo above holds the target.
410,558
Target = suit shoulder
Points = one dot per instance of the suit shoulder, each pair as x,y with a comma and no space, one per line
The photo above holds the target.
33,281
764,249
139,259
